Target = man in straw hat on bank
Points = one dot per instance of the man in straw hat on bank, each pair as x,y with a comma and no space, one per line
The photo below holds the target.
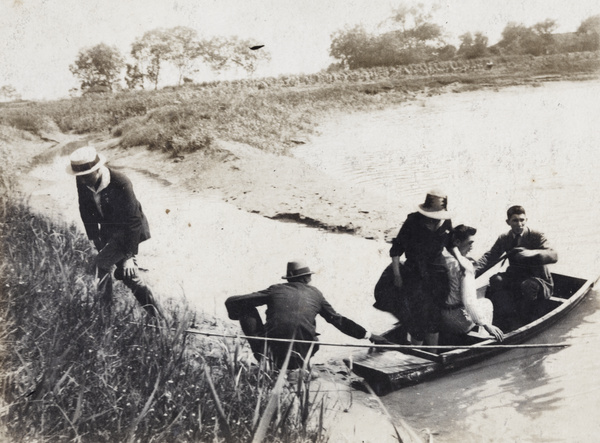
292,309
114,221
415,290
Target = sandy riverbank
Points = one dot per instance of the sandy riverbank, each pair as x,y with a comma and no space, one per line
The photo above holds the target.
274,186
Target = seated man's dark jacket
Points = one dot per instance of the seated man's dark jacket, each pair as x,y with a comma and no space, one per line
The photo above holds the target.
534,267
122,221
291,311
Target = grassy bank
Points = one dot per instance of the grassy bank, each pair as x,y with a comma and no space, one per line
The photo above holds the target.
271,113
70,370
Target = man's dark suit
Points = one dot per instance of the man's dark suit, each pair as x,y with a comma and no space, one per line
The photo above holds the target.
527,280
522,269
122,221
116,230
292,309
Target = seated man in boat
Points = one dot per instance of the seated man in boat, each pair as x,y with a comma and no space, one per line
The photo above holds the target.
516,292
463,311
292,309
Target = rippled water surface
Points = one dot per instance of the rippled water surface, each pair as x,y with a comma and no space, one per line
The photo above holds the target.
538,147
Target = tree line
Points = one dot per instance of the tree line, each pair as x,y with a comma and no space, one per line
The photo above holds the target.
410,37
100,68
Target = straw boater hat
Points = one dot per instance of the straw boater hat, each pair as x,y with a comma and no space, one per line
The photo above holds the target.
435,206
297,269
85,160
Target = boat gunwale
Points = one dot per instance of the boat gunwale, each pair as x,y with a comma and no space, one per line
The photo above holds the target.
513,337
452,360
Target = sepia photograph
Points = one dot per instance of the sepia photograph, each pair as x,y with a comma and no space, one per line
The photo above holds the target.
298,221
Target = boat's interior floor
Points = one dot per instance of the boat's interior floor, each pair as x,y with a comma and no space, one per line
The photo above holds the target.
398,335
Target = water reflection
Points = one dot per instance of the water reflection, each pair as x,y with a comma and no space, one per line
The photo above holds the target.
529,383
520,395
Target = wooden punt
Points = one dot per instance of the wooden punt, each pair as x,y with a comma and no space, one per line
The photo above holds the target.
389,370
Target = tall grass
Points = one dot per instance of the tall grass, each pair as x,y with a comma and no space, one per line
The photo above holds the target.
268,113
71,370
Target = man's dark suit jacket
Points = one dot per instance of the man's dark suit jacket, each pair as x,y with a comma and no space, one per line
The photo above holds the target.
534,267
123,220
292,309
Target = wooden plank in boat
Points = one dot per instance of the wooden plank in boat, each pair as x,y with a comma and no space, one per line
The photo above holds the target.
557,300
389,370
389,362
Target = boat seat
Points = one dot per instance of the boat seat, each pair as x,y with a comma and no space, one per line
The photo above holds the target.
557,300
478,334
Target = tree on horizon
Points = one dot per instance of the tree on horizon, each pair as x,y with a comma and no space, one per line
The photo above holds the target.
98,67
223,53
185,49
411,37
150,51
589,30
9,93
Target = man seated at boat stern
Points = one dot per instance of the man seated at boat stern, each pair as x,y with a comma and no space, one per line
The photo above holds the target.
517,292
292,309
463,311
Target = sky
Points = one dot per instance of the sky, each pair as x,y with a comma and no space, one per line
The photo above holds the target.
39,39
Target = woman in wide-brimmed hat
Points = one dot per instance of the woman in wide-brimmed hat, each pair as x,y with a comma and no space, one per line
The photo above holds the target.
414,291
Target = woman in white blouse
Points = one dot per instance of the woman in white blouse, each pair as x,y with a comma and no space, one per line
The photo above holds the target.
463,311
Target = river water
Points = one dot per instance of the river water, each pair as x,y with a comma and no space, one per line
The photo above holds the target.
534,146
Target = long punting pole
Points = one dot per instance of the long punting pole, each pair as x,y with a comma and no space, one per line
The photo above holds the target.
380,347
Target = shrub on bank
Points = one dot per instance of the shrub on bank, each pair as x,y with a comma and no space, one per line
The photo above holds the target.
175,129
32,120
72,370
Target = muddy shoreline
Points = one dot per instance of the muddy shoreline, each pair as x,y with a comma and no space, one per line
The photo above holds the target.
275,186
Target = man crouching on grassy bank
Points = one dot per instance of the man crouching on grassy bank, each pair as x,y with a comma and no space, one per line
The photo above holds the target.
114,221
292,309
